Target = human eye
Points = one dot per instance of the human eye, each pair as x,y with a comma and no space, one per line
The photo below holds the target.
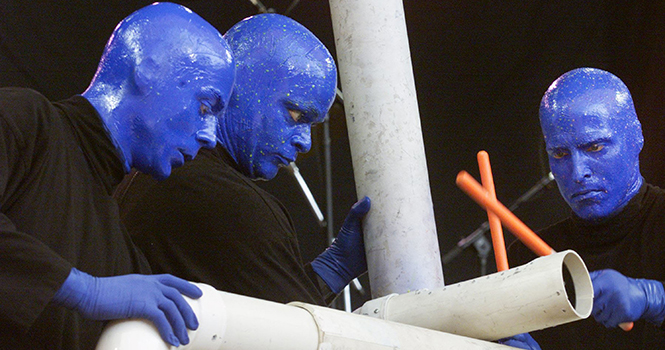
596,147
210,106
558,153
204,109
210,101
295,115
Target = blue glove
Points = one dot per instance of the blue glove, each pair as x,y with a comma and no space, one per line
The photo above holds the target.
522,341
345,259
618,299
156,298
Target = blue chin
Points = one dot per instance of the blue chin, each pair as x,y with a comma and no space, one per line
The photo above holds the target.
158,171
264,171
594,211
161,174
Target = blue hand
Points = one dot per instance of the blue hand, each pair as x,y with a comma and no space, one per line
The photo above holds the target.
345,259
522,341
619,299
156,298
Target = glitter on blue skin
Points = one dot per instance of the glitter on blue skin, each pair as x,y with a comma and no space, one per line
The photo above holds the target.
593,139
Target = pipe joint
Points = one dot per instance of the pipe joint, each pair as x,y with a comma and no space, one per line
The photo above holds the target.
376,307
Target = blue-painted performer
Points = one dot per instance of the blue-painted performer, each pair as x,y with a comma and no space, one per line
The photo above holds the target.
66,262
593,139
243,240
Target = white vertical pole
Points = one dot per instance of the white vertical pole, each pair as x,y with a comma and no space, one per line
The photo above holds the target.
387,145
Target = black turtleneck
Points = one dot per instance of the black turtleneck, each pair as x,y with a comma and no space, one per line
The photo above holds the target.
210,223
58,168
631,242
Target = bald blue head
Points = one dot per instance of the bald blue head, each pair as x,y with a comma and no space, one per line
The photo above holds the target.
593,139
164,79
285,82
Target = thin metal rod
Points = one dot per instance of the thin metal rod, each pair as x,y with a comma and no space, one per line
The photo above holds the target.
308,194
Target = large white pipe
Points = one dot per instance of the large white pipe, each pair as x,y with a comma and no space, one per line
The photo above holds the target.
387,145
234,322
547,292
226,321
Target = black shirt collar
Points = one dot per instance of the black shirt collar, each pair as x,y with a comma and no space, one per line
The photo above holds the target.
95,141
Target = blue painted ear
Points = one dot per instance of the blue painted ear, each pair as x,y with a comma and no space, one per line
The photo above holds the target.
145,74
640,136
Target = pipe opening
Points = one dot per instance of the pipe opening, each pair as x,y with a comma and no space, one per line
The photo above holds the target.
569,286
579,290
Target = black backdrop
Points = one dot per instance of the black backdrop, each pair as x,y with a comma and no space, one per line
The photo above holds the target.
480,70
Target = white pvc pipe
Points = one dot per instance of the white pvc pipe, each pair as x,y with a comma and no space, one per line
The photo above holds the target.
234,322
339,330
387,145
522,299
226,321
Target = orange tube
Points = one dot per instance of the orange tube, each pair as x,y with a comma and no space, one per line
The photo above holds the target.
496,230
476,191
626,326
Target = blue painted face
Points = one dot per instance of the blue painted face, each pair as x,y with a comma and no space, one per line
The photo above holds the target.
593,141
285,82
164,80
180,116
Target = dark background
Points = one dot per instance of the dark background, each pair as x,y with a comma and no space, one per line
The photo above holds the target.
480,70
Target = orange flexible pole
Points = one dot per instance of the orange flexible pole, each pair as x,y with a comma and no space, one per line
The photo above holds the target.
476,191
626,326
496,230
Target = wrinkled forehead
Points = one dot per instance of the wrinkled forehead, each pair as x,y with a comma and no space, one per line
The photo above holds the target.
168,29
577,132
278,44
296,66
179,40
276,55
583,99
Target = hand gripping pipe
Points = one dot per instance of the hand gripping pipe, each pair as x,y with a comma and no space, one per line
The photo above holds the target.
549,291
235,322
